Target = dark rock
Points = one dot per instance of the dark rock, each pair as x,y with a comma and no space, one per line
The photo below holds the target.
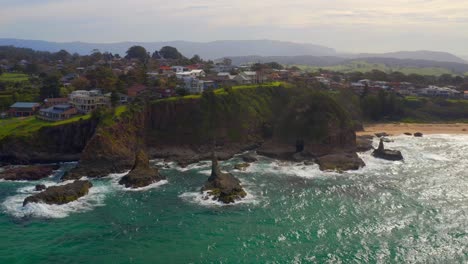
418,134
381,134
141,174
386,140
61,194
242,166
364,143
249,158
309,162
408,134
387,154
40,187
31,173
224,187
340,162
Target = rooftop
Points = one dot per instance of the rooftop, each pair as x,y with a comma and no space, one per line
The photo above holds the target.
24,105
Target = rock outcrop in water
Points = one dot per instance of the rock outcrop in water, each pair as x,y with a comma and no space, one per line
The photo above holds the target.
387,154
223,187
141,174
418,134
340,162
364,143
60,194
30,173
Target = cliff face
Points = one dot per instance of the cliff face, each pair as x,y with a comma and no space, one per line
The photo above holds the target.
49,144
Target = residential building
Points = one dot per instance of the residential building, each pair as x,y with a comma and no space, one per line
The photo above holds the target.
57,112
20,109
435,91
123,98
465,94
87,101
55,101
192,73
135,90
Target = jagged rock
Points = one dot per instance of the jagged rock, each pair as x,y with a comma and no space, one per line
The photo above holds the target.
418,134
241,166
364,143
382,134
340,162
141,174
249,158
408,134
387,154
40,187
31,173
224,187
61,194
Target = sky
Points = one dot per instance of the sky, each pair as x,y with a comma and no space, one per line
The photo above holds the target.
346,25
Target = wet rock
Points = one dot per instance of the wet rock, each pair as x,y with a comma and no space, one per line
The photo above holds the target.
40,187
242,166
408,134
364,143
387,154
61,194
382,134
340,162
249,158
309,162
418,134
141,174
386,140
31,173
224,187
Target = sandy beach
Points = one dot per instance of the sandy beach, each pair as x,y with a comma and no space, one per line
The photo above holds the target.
400,128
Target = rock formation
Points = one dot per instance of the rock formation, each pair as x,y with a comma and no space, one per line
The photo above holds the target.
60,194
364,143
387,154
242,166
418,134
141,174
40,187
340,162
223,187
30,173
249,158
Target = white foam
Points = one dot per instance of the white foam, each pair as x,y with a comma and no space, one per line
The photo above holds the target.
151,186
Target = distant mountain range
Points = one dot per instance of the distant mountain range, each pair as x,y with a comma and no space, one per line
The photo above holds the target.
231,48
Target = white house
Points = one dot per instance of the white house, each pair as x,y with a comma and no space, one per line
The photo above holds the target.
87,101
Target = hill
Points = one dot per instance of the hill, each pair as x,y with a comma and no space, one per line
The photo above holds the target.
416,55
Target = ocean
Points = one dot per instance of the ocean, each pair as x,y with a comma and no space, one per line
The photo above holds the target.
414,211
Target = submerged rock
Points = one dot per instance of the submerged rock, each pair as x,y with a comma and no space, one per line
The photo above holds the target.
31,173
364,143
408,134
418,134
40,187
224,187
141,174
387,154
241,166
340,162
61,194
249,158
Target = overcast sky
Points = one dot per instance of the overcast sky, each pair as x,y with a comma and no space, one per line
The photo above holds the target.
346,25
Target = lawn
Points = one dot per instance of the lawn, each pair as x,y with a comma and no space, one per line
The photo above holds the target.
25,125
14,77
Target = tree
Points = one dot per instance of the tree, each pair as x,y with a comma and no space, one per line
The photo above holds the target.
80,83
181,91
50,88
170,53
137,52
114,99
196,59
275,65
156,55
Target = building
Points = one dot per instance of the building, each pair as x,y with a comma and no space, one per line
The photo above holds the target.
197,86
135,90
55,101
20,109
465,94
57,112
87,101
435,91
123,98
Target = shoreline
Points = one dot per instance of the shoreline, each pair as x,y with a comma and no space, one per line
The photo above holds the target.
396,129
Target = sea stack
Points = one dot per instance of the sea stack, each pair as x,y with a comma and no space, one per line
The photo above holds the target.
141,174
387,154
223,187
61,194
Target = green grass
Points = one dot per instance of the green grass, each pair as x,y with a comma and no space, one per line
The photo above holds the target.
23,126
14,77
363,66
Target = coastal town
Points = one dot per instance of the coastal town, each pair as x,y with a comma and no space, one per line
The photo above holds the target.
58,86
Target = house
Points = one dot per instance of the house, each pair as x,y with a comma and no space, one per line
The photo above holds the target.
192,73
68,78
87,101
48,102
123,98
197,86
435,91
57,112
178,69
135,90
465,94
20,109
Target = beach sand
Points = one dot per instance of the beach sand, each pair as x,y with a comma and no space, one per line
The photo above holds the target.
396,129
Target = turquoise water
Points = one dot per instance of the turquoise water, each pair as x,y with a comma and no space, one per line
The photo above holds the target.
406,212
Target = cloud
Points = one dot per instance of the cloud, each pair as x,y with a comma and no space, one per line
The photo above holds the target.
149,20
